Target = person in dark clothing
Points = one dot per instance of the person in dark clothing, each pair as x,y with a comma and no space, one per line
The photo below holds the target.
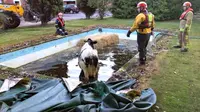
60,25
144,25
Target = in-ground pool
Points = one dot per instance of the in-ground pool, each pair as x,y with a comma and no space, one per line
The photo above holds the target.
65,63
32,54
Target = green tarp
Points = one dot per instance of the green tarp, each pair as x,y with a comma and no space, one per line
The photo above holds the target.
52,95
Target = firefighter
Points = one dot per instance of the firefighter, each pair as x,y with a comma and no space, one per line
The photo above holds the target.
60,25
144,25
185,26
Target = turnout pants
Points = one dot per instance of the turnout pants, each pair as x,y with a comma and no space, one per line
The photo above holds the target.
61,32
184,38
142,41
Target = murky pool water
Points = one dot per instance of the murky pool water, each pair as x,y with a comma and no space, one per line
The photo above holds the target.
65,64
110,60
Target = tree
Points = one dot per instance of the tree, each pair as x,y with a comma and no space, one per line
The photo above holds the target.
196,5
47,9
159,8
86,8
174,8
2,21
101,5
124,8
162,9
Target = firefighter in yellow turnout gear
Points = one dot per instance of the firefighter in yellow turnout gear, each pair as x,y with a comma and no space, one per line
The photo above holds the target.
185,26
144,24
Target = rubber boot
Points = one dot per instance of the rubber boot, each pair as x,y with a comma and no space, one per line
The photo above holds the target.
177,46
142,61
184,49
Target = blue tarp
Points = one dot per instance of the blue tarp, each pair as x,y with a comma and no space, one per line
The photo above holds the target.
52,95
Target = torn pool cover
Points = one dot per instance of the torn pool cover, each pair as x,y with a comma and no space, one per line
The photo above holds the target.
53,95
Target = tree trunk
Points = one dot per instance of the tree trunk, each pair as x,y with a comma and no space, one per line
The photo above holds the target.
43,23
101,17
44,20
87,16
101,13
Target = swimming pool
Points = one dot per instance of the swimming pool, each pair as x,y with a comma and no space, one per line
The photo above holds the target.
24,56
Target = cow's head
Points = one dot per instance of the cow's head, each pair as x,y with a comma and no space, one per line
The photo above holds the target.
91,42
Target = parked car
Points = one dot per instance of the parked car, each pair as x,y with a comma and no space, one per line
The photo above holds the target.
71,8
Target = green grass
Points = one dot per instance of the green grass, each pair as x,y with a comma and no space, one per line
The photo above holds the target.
177,85
21,34
17,35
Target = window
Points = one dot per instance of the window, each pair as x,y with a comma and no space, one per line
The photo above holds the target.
16,1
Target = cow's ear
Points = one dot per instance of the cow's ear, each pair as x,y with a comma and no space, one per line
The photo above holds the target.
94,42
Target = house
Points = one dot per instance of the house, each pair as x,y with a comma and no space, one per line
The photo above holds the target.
69,1
19,1
10,1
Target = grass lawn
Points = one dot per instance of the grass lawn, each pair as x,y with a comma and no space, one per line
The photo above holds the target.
177,83
17,35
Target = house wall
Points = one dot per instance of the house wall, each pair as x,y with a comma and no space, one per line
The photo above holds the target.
69,1
10,1
13,1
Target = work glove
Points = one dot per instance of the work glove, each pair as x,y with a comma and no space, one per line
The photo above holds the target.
60,30
152,33
128,33
186,28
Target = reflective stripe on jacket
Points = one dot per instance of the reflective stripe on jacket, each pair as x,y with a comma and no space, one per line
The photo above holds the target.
140,21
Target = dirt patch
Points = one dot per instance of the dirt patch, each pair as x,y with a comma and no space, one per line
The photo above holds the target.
152,67
143,74
6,73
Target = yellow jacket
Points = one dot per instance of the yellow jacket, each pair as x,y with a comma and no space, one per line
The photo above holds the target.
186,23
138,20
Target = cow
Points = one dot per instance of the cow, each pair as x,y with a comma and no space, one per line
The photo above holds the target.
88,62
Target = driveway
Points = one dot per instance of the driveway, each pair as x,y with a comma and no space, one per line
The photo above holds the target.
79,15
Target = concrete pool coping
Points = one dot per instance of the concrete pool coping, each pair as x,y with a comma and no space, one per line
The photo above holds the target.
24,56
126,71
